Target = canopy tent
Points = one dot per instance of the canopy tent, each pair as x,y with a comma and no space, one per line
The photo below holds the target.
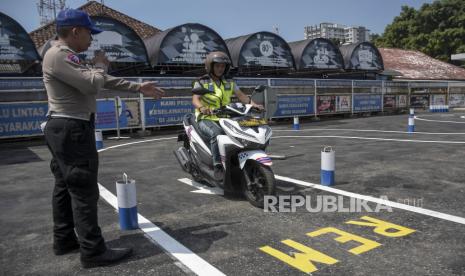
316,57
261,54
122,46
183,49
18,55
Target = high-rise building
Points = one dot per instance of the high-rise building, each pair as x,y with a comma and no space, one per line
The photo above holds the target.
340,32
356,34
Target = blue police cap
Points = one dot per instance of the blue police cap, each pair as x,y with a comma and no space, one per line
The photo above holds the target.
75,18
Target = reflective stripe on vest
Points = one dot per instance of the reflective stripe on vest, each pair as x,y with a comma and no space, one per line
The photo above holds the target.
220,96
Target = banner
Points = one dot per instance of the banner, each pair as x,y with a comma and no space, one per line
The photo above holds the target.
457,100
321,54
334,83
402,101
120,43
266,49
21,119
366,57
326,104
367,102
15,43
105,117
21,84
438,99
343,103
167,111
419,101
389,101
288,105
292,82
190,44
243,82
132,112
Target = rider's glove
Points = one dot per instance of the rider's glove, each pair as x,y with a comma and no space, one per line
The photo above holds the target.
205,110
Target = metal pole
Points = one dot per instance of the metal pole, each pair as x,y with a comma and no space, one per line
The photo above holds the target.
447,97
315,106
409,94
117,108
352,98
382,96
142,109
267,112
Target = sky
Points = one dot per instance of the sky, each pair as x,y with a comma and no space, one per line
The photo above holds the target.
238,17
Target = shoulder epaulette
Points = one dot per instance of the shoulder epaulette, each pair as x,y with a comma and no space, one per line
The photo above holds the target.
204,79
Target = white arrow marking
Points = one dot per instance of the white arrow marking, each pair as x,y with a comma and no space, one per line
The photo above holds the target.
202,189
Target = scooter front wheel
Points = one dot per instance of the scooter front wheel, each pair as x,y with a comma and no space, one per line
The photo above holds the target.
259,182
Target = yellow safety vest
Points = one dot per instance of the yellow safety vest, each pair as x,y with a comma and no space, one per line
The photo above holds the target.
219,96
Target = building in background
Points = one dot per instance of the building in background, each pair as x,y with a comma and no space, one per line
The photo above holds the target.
356,34
337,32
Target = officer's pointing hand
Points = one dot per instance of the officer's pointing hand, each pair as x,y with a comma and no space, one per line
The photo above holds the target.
149,89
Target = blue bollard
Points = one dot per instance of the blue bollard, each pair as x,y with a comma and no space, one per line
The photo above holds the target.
328,166
296,125
411,124
127,203
98,139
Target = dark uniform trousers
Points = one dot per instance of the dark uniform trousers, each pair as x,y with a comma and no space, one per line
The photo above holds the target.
211,130
75,167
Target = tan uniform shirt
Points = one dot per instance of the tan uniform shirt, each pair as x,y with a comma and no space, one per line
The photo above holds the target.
72,87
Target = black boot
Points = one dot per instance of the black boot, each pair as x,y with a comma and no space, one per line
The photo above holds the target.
65,249
110,256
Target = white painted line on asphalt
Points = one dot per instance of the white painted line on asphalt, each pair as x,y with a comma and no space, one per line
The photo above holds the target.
438,121
137,142
171,246
369,130
199,265
202,189
393,204
370,138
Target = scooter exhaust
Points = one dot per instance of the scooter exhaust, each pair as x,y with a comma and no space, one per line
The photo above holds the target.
183,159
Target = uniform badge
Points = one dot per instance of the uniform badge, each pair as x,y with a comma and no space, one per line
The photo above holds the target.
227,86
74,59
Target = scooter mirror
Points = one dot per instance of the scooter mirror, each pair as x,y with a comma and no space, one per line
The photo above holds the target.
259,88
200,91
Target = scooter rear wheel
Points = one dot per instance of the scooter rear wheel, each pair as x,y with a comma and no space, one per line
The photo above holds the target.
262,183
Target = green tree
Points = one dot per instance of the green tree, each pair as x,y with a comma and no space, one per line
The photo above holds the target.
374,37
436,29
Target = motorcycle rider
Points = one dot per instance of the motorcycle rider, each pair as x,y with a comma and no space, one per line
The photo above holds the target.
217,65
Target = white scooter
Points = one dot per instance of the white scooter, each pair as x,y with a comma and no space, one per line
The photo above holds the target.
247,168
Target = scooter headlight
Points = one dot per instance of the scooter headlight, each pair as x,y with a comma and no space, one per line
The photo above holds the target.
238,131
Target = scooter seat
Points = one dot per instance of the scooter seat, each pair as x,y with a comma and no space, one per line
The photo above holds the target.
189,120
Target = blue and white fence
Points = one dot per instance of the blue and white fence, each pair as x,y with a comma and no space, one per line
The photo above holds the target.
285,98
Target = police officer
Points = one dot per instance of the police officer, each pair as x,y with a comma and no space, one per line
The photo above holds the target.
69,133
217,65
